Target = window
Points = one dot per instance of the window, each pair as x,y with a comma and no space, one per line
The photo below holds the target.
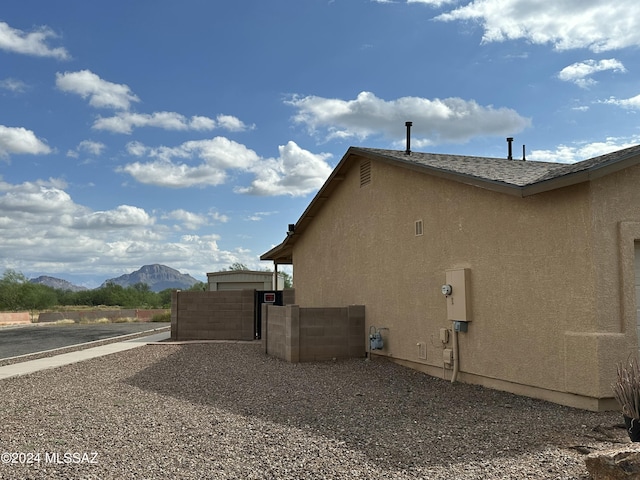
419,230
365,173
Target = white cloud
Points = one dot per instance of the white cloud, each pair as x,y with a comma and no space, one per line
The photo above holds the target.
434,121
259,216
232,124
18,140
632,103
434,3
580,72
165,173
41,197
216,155
125,122
87,146
189,219
33,43
599,25
582,151
295,172
122,217
101,93
13,85
202,123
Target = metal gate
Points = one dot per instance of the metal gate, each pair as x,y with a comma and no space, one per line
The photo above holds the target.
272,297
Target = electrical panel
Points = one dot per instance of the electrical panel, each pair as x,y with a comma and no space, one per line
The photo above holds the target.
458,295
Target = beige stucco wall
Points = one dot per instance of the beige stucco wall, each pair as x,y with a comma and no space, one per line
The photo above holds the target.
545,276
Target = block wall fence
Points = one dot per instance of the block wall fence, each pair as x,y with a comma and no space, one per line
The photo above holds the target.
217,315
298,334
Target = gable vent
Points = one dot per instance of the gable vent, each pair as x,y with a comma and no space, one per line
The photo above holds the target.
365,173
419,228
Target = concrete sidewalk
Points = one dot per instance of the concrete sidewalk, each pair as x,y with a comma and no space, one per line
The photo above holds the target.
31,366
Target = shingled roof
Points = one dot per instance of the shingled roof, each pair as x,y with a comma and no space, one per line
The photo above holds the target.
514,177
517,177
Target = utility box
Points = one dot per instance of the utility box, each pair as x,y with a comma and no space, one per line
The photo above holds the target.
447,357
458,300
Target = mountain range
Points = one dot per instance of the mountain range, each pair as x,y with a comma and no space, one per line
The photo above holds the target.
57,283
157,277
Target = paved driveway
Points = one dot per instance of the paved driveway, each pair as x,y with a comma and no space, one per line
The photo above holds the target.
32,338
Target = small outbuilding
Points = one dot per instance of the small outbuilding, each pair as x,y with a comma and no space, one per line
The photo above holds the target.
243,280
516,275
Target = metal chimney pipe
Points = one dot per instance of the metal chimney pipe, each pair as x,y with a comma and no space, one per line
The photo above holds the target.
510,141
524,157
408,125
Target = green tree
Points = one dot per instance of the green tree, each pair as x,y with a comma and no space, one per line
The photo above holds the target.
10,289
237,266
288,279
17,293
198,287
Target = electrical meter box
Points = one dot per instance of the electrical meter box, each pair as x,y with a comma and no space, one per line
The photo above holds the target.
458,298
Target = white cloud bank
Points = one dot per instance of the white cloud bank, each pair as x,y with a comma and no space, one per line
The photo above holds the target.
434,120
44,230
599,25
201,163
33,43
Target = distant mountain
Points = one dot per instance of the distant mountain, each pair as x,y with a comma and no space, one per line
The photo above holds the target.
57,283
157,277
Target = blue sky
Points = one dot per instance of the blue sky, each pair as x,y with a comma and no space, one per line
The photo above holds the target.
191,133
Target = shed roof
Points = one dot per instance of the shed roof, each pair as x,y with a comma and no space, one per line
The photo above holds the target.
514,177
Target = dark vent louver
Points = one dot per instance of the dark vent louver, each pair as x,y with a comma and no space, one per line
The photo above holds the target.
365,173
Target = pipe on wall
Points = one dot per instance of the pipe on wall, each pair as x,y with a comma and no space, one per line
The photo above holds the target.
456,362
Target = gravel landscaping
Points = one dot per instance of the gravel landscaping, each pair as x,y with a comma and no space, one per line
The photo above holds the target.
227,411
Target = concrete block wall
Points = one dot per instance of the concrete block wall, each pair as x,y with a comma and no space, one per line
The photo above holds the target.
221,315
14,317
289,296
300,334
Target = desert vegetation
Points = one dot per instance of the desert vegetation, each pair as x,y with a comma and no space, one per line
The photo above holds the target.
17,293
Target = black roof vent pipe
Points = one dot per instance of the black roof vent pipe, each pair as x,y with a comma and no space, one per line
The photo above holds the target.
408,125
524,156
510,142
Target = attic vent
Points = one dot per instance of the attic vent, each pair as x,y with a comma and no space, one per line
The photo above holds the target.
365,173
419,230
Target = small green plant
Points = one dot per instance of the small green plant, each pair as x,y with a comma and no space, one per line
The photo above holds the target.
161,317
626,390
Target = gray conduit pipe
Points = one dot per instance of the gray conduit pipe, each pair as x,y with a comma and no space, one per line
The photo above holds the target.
456,363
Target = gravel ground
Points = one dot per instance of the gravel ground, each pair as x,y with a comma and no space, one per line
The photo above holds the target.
227,411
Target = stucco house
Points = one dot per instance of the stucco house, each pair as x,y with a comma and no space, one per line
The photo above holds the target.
543,260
